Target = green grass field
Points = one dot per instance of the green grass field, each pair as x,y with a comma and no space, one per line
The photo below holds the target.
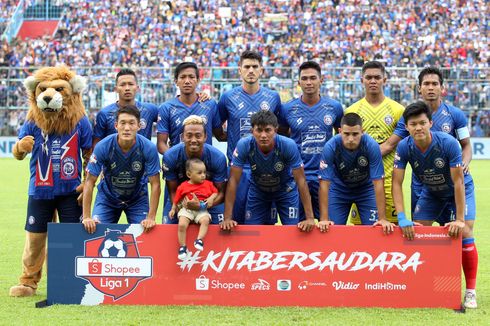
22,311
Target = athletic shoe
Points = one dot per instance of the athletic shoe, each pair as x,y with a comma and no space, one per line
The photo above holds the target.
182,252
199,245
470,300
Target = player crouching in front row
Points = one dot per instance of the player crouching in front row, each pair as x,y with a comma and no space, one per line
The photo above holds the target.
447,195
351,171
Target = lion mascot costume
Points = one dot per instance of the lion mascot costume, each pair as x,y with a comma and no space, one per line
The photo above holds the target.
58,134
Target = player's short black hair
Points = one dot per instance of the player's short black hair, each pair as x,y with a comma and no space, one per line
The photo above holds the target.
126,71
373,65
249,54
190,162
415,109
351,119
129,109
184,65
430,71
310,65
264,118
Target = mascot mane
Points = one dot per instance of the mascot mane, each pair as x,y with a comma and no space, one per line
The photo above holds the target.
72,110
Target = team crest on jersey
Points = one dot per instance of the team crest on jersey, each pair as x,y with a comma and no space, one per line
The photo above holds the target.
264,106
323,165
112,264
142,123
328,120
439,163
279,166
165,167
93,159
388,119
235,153
137,166
68,167
362,161
446,127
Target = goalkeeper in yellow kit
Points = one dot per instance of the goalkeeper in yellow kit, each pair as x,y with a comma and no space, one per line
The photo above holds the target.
380,115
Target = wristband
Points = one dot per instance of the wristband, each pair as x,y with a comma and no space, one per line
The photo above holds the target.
203,206
402,220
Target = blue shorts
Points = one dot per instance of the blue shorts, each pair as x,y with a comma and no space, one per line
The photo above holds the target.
109,211
341,200
443,210
415,191
40,212
260,206
313,185
216,214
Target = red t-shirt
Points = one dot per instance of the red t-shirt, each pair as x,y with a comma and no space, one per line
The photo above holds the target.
202,190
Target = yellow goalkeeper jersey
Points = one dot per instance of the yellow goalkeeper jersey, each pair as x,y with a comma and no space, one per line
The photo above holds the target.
379,122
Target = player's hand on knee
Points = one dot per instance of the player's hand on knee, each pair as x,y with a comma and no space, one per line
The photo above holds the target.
387,226
148,224
455,228
89,224
324,225
307,225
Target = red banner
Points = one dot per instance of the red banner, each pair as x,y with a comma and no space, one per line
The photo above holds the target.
266,266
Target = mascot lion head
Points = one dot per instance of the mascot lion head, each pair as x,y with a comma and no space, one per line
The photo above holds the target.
55,101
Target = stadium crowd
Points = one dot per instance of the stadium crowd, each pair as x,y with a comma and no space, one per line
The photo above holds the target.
337,33
157,34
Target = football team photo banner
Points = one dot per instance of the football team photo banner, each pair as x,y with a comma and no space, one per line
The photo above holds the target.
354,266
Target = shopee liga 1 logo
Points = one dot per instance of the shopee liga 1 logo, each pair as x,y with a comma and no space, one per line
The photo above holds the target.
112,264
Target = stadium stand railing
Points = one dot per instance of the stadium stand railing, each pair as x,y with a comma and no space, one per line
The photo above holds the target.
467,88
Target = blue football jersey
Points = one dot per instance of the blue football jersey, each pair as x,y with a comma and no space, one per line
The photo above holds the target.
432,167
106,118
237,106
351,170
125,174
61,155
174,164
172,114
311,128
447,118
270,172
